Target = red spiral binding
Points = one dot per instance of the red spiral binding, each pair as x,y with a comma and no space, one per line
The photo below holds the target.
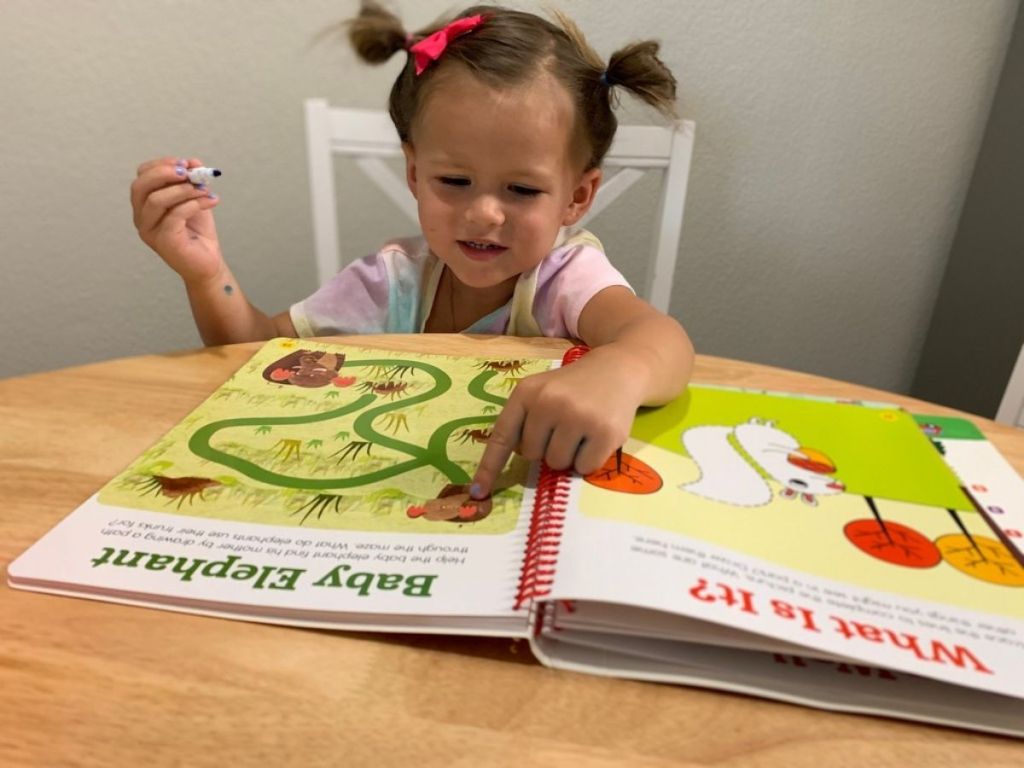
546,523
575,353
545,535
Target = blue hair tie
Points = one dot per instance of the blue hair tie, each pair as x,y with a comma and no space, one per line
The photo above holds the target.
605,80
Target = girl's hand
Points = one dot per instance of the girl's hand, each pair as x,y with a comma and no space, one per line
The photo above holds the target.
174,218
580,414
574,416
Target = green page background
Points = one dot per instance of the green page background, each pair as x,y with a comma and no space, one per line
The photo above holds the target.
877,452
236,444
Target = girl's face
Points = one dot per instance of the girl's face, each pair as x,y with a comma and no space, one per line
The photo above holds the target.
493,175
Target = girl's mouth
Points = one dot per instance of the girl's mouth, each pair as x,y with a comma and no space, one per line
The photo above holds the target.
478,250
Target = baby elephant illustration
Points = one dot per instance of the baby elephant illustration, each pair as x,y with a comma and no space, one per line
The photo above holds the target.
307,368
453,505
736,464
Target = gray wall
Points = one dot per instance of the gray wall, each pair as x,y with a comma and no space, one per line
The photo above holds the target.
835,142
978,324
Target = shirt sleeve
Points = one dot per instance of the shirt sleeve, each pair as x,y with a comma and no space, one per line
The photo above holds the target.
353,301
569,278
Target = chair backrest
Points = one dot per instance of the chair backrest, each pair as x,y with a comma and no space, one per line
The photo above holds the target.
1011,409
369,137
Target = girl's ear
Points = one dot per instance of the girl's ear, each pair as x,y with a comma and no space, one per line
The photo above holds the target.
582,196
410,166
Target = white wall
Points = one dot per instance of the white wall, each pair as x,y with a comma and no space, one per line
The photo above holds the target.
835,140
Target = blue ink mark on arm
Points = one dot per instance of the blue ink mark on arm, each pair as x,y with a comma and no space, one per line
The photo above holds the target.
229,289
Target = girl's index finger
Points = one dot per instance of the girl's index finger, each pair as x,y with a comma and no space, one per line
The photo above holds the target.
500,446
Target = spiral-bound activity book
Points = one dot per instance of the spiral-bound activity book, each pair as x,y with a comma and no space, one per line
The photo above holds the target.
842,555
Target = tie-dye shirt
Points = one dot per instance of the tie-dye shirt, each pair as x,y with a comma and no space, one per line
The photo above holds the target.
393,291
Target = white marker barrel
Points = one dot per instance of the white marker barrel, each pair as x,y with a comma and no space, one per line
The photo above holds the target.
202,174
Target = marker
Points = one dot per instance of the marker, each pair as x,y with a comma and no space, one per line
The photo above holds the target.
202,174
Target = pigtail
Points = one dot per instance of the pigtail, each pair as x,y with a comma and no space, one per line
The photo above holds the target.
376,33
511,48
637,68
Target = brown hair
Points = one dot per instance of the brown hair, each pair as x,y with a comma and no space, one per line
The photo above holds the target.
509,49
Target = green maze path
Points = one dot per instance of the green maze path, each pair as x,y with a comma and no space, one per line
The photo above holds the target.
435,454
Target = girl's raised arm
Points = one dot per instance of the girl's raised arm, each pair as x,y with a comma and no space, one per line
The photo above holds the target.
174,217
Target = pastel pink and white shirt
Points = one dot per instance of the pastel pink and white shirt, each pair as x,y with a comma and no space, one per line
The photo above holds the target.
393,291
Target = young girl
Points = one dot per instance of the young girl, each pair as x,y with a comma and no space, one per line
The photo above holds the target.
504,119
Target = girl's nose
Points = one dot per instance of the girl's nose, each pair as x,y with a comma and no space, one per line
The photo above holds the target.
486,210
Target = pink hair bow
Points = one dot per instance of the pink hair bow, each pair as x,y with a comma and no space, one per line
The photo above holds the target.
430,48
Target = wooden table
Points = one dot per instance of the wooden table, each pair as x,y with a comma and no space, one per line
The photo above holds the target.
86,683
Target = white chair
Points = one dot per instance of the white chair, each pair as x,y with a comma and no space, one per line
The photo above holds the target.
369,137
1011,409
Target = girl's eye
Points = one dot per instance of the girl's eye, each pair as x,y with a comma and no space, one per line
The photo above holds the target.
524,191
454,181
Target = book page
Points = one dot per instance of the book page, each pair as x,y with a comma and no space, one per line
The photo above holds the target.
321,483
989,480
769,517
826,684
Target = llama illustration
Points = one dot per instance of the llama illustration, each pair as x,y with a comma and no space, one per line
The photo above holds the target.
737,463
